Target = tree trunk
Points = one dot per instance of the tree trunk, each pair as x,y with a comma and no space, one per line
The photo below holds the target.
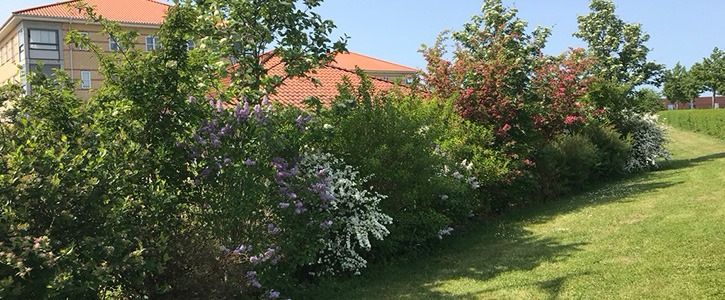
713,99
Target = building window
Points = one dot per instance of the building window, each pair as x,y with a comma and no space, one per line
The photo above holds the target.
48,69
81,47
152,43
113,44
21,46
85,80
43,39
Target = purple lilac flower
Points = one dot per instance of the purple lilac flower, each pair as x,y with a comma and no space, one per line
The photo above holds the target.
227,160
251,274
192,99
457,175
283,205
243,248
269,253
327,197
205,173
259,114
219,106
319,188
241,112
249,162
215,142
255,283
273,294
272,229
326,224
225,130
301,121
197,182
299,207
254,260
322,173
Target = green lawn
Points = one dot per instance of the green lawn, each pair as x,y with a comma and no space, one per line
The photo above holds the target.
658,235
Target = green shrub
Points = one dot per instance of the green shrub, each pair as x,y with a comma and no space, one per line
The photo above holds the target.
403,143
707,121
612,150
648,139
567,163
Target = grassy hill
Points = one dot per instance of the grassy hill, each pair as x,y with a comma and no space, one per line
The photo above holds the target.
654,236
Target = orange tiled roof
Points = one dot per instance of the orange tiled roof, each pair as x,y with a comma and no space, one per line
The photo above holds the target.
294,90
351,59
124,11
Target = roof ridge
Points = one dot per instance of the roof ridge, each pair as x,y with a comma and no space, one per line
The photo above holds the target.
44,6
378,59
354,72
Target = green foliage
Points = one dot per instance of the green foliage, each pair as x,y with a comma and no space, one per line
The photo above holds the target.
572,161
710,73
618,47
648,139
612,150
707,121
648,100
253,32
680,86
621,60
566,164
403,143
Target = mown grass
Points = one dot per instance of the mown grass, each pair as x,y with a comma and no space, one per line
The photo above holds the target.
659,235
707,121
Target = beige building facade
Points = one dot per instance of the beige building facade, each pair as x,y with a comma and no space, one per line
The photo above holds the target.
36,36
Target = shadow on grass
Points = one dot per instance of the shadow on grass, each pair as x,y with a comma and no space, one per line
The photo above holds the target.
495,246
687,163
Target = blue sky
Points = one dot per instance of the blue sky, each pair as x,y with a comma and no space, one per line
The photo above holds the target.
393,30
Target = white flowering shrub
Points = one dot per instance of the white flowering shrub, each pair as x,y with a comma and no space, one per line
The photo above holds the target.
355,215
648,139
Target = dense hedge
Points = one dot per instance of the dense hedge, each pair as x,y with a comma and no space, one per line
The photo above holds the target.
158,188
707,121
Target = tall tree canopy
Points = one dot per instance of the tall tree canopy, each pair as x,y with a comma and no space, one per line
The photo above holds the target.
679,85
619,47
710,73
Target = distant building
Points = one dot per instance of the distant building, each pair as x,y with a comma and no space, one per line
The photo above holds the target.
36,35
295,90
699,102
374,67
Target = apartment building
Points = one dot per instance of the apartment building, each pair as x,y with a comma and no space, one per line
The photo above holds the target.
36,35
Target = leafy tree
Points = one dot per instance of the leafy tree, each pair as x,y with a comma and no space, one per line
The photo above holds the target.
621,59
254,34
135,192
711,72
680,86
618,47
648,100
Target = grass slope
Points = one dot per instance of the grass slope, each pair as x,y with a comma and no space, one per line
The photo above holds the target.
658,235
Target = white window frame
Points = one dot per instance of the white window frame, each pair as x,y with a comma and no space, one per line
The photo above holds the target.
113,44
21,45
43,46
80,47
86,80
152,43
